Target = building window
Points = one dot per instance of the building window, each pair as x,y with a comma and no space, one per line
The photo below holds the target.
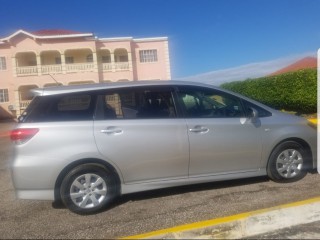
58,60
106,59
123,58
89,58
4,96
148,55
3,64
69,60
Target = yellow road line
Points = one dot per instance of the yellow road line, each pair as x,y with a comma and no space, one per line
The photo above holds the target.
217,221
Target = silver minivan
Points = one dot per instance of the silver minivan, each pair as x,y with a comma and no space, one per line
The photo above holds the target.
85,145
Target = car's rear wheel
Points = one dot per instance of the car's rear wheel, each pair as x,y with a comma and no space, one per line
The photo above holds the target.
287,162
88,188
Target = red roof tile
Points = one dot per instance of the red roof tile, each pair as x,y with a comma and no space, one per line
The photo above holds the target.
308,62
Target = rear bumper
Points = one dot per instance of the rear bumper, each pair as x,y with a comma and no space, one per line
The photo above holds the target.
34,178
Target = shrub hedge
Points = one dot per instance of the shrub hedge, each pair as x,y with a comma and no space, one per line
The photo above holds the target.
293,91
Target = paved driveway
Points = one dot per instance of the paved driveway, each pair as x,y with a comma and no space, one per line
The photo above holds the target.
141,212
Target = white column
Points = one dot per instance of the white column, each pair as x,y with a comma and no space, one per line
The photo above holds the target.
167,60
14,66
95,61
17,102
112,62
39,65
63,63
130,61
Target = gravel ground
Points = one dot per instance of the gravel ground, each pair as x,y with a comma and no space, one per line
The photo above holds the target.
140,212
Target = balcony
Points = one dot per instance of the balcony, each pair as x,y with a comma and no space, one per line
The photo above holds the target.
121,66
48,69
24,104
106,67
27,71
79,67
71,61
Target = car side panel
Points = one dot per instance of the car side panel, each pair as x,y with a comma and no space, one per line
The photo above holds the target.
280,128
229,145
145,150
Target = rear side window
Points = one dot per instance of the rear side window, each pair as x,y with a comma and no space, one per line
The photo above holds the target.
57,108
139,103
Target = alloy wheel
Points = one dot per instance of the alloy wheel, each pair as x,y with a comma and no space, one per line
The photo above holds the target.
88,190
289,163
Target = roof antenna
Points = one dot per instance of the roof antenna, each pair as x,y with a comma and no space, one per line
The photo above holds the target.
54,80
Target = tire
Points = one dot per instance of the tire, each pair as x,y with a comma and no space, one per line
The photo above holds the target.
88,188
287,163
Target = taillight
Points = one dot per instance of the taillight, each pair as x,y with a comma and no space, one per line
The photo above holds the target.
22,135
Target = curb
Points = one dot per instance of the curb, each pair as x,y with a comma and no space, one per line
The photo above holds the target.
244,224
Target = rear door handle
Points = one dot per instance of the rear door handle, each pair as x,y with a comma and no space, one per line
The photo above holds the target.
111,130
199,129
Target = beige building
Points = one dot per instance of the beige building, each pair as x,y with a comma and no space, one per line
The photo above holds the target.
49,57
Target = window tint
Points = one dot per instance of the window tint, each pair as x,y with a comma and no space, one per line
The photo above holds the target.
261,112
77,107
209,103
136,104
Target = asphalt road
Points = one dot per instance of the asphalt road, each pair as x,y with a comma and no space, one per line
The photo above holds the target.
141,212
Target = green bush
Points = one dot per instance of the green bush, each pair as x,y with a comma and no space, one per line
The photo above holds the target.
294,91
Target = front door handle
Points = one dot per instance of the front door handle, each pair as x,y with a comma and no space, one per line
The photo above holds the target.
199,129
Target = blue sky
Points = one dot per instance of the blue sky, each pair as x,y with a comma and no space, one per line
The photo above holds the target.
204,35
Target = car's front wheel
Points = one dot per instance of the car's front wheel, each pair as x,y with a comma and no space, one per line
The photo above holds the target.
287,162
87,188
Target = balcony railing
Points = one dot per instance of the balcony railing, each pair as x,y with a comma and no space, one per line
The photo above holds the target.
27,71
121,66
79,67
47,69
106,67
24,104
71,68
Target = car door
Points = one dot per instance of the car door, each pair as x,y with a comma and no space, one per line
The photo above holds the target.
222,139
137,130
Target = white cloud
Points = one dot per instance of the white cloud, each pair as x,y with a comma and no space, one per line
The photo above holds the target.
252,70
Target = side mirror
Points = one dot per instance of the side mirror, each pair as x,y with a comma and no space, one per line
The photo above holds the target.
253,114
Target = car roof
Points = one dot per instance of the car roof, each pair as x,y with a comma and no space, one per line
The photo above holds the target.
101,86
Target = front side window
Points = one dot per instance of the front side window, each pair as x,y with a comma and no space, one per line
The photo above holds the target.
261,112
136,104
209,103
4,95
148,55
3,63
